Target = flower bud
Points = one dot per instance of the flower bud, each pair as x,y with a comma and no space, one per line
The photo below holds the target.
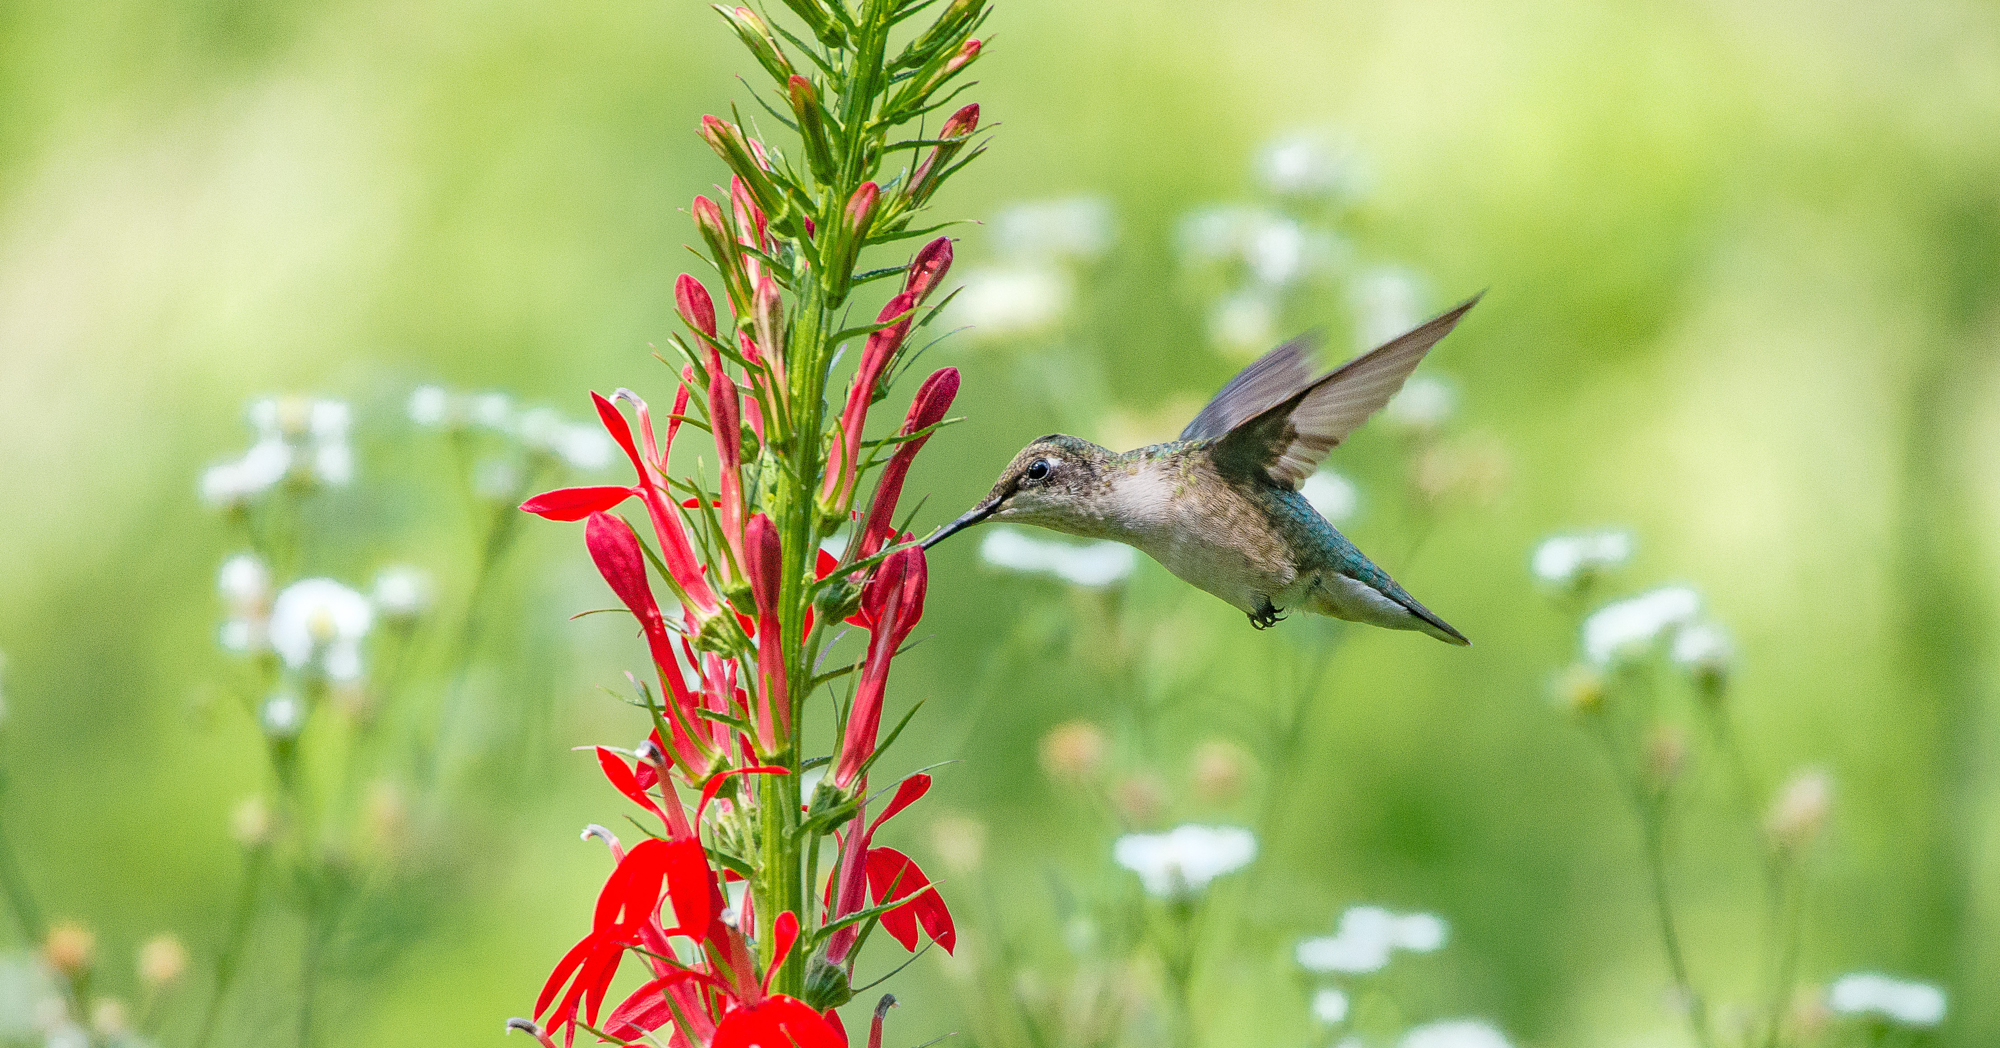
744,159
826,984
1800,810
960,842
757,37
1140,799
69,949
691,300
161,961
1220,768
965,57
1666,755
728,257
812,127
1073,752
767,312
820,19
251,823
928,269
935,166
1581,688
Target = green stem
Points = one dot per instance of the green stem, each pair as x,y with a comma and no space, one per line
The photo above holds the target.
240,923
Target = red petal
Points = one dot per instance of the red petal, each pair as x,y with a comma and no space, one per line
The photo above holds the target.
892,876
690,886
575,503
777,1021
912,789
621,430
625,782
784,932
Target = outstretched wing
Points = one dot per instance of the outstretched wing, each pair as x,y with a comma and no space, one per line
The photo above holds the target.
1287,440
1268,380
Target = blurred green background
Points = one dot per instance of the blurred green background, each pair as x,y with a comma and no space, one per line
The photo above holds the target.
1744,273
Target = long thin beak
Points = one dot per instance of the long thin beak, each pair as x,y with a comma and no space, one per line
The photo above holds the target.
971,517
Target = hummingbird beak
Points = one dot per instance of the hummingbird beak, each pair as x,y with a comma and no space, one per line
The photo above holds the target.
971,517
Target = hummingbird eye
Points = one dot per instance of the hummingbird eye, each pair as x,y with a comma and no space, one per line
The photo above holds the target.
1039,471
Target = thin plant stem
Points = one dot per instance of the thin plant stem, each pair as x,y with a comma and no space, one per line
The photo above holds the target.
240,923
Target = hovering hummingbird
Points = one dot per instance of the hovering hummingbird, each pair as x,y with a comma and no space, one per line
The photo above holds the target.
1220,507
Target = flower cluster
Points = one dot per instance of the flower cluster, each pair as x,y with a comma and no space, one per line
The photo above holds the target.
509,447
756,597
298,439
1042,247
1183,861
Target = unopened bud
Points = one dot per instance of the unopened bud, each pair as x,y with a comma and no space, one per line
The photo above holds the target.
1800,810
161,961
1220,768
1666,754
768,317
960,842
691,300
69,949
966,56
1073,752
757,37
1581,688
251,823
812,126
1140,799
723,249
928,269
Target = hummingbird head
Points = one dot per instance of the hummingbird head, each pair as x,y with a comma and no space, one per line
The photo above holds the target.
1049,483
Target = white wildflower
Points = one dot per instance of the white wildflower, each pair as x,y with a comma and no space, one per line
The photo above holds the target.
1425,403
1367,936
1015,300
245,584
333,464
1453,1033
282,715
401,592
1334,496
1571,560
328,420
1307,165
1632,626
1093,565
1184,860
241,636
1329,1006
584,447
1245,322
1703,650
495,411
1900,1002
1386,302
1276,251
1800,809
431,406
1072,228
1212,233
321,623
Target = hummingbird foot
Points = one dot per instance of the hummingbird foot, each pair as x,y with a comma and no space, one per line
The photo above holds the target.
1266,617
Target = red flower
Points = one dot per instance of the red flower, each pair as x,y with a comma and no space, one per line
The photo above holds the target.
893,601
777,1021
889,875
695,307
725,418
927,409
927,270
838,488
765,566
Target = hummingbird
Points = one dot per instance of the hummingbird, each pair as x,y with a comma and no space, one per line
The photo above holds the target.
1220,506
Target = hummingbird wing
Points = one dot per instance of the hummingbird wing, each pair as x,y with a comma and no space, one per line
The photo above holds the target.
1287,440
1269,380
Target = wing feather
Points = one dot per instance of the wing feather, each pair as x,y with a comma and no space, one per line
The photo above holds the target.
1268,380
1289,439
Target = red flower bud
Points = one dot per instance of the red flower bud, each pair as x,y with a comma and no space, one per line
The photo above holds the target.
927,409
861,208
927,270
964,57
962,123
691,299
764,563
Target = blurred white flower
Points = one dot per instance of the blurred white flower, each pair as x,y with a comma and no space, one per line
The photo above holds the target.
495,411
1183,861
584,447
1334,496
1211,233
1245,322
333,465
282,716
245,584
1425,403
1567,560
430,406
1093,565
997,302
401,592
1386,303
1072,228
1632,626
241,636
1702,649
1275,250
1367,936
496,478
328,420
1329,1006
1453,1033
321,623
1904,1003
1308,165
1800,809
294,436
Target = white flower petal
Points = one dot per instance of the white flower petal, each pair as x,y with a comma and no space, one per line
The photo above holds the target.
1183,861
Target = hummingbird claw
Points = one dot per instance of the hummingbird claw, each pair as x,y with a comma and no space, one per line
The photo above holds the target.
1266,617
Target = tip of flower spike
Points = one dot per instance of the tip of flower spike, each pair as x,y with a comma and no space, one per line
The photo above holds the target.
532,1029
